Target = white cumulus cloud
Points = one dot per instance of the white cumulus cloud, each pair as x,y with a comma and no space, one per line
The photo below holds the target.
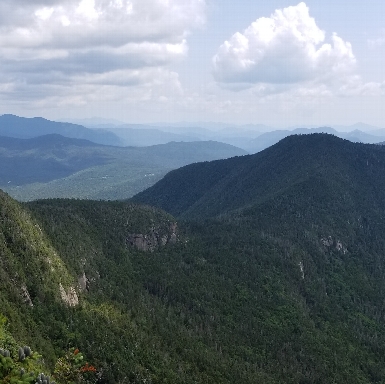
286,48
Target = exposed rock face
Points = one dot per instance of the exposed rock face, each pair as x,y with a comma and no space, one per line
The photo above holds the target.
327,241
70,297
25,295
173,233
84,283
300,264
153,239
337,244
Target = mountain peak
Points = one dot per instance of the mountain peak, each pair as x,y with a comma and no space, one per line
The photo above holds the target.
215,188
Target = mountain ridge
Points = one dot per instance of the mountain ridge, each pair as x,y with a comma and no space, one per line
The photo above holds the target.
21,127
293,158
56,166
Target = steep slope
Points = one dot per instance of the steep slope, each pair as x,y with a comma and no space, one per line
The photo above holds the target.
71,289
33,278
214,188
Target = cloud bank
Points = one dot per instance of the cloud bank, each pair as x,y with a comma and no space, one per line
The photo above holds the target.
48,47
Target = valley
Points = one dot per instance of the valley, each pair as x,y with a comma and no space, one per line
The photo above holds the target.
52,166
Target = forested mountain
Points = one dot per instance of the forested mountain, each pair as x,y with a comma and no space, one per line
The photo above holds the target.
57,166
294,165
45,158
274,272
267,139
25,128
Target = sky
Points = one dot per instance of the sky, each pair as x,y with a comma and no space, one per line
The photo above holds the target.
279,63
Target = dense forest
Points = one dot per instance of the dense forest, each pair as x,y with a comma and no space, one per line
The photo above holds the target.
270,270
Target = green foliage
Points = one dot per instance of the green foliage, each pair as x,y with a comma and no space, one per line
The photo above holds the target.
352,173
280,280
17,364
72,369
23,366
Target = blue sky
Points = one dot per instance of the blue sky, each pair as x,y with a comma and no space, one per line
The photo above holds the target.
278,63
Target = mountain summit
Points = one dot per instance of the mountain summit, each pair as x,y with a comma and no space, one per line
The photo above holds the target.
315,163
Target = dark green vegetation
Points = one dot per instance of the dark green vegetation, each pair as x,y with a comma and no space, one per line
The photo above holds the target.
267,139
315,167
57,166
275,273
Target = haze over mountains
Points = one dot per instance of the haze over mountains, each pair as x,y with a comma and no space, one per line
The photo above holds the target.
25,128
55,166
49,159
251,137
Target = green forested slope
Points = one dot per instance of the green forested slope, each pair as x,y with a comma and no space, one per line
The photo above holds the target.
31,274
117,337
282,287
274,294
213,188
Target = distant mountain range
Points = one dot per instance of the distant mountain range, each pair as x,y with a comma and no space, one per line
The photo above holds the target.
138,136
26,128
43,158
250,137
56,166
250,140
267,139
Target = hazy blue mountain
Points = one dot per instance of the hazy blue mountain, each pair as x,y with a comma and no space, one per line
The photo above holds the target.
238,136
25,128
362,137
46,158
250,137
146,136
56,166
215,126
357,126
45,142
267,139
94,122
